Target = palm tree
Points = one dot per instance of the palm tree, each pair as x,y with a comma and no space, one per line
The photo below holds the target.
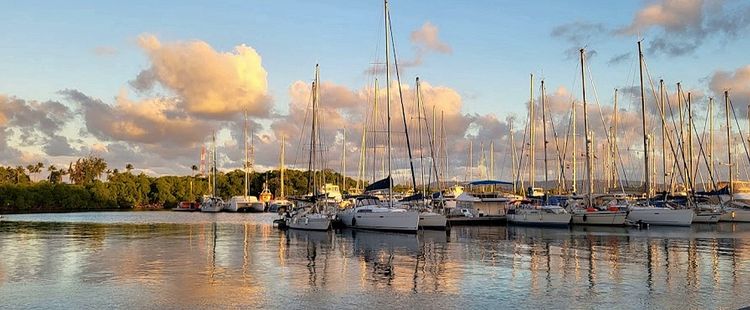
129,167
52,172
194,168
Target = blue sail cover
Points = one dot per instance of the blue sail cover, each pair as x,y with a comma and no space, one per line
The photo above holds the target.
489,182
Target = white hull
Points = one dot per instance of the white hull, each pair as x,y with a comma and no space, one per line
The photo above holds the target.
309,222
599,218
257,207
540,219
706,217
211,208
661,216
240,203
432,220
391,221
735,215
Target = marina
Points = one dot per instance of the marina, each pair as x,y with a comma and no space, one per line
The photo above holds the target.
176,259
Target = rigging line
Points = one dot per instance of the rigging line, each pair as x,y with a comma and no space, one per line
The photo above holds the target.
401,98
739,129
300,145
703,154
606,130
523,149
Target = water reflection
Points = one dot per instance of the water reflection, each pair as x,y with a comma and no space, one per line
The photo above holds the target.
227,262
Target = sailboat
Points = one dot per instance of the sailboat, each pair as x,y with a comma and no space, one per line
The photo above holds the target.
311,215
280,204
243,203
526,212
212,202
592,214
647,213
368,212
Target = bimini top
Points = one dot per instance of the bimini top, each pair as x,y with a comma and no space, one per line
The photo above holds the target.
489,182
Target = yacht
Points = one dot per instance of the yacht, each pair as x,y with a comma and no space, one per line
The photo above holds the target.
368,213
279,206
735,211
257,207
611,212
547,215
212,204
707,213
666,215
308,219
240,203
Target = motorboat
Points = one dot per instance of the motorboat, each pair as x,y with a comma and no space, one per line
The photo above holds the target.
240,203
666,215
545,215
212,204
368,213
187,206
308,219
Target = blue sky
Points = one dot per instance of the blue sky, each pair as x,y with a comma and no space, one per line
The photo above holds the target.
49,46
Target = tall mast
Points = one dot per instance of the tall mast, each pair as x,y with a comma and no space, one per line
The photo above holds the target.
343,160
544,130
589,163
512,155
362,158
729,144
690,143
643,120
532,171
281,169
575,151
246,155
492,160
442,146
215,166
711,169
615,149
419,135
662,106
682,132
374,134
388,102
471,160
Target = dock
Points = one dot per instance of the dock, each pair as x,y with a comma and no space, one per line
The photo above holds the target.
481,220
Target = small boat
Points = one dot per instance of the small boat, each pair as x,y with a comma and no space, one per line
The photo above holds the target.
265,195
666,215
187,206
308,219
212,204
548,215
240,203
369,214
613,212
279,206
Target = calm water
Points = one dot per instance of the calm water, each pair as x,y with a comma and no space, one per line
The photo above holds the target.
178,260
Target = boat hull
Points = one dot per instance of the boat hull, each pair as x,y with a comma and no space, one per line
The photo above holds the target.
309,223
707,217
256,208
210,209
735,215
386,221
430,220
539,219
661,216
599,218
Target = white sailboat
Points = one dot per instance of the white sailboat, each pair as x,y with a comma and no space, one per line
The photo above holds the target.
245,202
548,215
367,212
280,204
212,202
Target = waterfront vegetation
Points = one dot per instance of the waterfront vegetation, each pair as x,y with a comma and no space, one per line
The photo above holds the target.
88,184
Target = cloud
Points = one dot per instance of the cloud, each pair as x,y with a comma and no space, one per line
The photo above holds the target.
618,59
737,82
679,27
578,35
32,123
425,40
208,83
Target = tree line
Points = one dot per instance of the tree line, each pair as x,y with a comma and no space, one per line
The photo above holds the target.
89,184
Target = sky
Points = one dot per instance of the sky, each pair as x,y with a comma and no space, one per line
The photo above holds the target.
146,82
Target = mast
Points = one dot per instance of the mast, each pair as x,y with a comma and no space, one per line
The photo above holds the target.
215,167
388,102
691,173
374,136
643,120
281,169
575,151
492,160
682,132
343,160
471,160
544,130
615,149
711,169
662,107
419,135
729,144
532,132
589,163
246,155
512,155
442,146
